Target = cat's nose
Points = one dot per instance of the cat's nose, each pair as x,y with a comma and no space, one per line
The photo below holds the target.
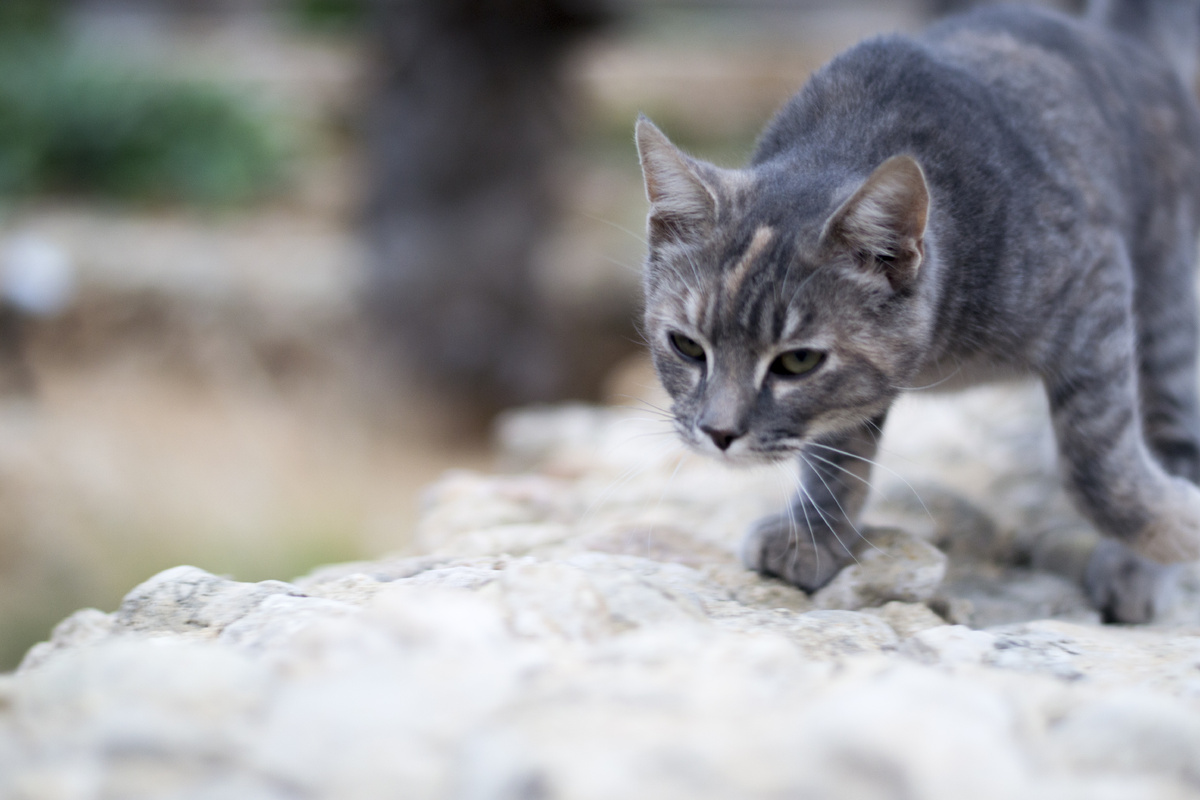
721,438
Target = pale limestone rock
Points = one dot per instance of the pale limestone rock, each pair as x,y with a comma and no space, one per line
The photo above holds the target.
505,539
190,601
950,645
549,600
827,635
907,619
587,632
595,676
893,565
86,626
465,503
1131,732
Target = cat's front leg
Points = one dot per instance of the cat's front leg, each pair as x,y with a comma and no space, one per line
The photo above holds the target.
817,534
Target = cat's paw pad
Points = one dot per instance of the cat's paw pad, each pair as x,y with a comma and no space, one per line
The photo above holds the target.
1125,587
779,546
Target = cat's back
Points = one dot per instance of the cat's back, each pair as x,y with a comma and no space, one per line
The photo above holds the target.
1107,132
1042,65
1023,117
1002,83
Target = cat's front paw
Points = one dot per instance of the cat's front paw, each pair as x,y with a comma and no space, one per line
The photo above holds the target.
1125,587
780,546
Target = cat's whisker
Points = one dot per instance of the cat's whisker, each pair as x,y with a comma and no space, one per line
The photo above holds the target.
793,527
658,415
637,404
836,465
652,416
849,521
781,288
825,476
802,284
644,402
652,422
629,437
880,448
632,428
874,463
695,269
933,385
683,278
804,491
636,270
878,430
652,419
615,226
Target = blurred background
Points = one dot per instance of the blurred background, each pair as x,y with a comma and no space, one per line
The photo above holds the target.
267,267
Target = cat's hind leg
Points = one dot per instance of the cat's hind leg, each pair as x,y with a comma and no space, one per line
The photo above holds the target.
1120,478
1168,346
1119,582
817,534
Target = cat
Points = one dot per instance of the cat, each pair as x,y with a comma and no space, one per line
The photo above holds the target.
1013,192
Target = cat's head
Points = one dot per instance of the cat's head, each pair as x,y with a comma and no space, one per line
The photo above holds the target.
782,303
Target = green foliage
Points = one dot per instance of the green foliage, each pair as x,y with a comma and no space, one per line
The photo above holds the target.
329,14
72,123
29,15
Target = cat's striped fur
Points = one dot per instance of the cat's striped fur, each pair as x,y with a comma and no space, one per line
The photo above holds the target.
1013,192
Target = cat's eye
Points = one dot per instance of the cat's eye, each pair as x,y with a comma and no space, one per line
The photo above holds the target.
688,348
797,362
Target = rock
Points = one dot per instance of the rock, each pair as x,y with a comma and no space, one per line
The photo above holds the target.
907,619
551,600
84,627
950,645
188,600
894,565
1132,732
587,632
824,635
984,598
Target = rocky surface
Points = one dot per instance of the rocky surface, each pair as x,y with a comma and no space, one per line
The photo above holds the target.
580,628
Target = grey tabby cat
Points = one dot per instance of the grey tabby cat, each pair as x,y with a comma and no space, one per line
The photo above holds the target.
1013,192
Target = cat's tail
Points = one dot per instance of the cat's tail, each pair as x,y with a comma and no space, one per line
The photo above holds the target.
1170,27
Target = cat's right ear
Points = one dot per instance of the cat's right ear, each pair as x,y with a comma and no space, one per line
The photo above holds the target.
682,205
883,223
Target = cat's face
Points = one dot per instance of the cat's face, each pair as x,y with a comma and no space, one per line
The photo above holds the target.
770,324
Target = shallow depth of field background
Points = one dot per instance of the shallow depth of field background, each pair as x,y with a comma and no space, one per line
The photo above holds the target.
186,185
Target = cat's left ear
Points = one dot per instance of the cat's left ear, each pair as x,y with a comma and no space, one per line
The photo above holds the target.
683,204
882,225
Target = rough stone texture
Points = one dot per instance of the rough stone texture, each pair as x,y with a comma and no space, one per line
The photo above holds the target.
582,629
897,566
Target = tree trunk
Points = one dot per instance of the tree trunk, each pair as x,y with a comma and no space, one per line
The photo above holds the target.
464,135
